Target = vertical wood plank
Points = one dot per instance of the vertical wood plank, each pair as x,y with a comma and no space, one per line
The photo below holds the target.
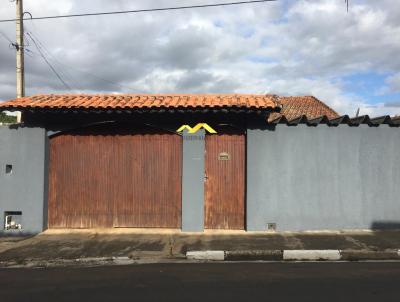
225,183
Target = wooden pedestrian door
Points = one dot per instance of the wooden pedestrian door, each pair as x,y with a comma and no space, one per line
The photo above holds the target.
104,177
225,180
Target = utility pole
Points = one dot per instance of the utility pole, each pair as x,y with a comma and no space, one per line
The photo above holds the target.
20,53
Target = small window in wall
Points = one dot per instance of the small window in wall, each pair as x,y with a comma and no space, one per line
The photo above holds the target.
9,169
12,220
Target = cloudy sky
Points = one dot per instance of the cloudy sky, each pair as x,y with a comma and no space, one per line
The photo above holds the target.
305,47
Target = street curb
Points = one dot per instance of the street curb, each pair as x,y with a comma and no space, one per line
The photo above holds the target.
267,255
206,255
349,255
80,262
294,255
311,255
85,262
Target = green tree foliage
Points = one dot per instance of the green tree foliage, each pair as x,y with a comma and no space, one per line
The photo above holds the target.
7,119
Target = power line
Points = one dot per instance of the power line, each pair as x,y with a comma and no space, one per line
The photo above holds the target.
5,37
143,10
63,74
41,45
48,63
15,45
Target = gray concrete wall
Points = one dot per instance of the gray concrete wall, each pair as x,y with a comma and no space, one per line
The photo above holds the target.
317,178
23,189
193,182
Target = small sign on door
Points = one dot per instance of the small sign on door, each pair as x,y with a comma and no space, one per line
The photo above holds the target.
224,156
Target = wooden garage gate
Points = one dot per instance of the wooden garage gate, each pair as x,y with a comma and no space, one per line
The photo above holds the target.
102,177
225,163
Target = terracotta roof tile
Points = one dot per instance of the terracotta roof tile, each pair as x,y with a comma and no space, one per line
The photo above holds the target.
296,106
133,101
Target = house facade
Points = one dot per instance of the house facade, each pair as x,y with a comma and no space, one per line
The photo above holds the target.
254,162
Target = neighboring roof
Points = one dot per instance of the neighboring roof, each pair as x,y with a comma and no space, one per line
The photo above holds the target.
136,101
311,111
297,106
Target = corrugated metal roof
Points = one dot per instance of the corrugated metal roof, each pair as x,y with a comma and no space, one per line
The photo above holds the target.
344,119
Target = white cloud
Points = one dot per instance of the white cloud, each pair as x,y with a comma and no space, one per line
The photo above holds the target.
393,83
286,47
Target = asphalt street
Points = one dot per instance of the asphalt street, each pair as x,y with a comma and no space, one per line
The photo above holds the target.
206,282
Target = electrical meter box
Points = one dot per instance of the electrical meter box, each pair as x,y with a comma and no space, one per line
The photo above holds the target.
12,220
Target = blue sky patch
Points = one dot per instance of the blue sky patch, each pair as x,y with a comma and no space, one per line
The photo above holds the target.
369,86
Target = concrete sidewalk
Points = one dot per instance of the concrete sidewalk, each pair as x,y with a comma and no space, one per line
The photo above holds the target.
171,244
